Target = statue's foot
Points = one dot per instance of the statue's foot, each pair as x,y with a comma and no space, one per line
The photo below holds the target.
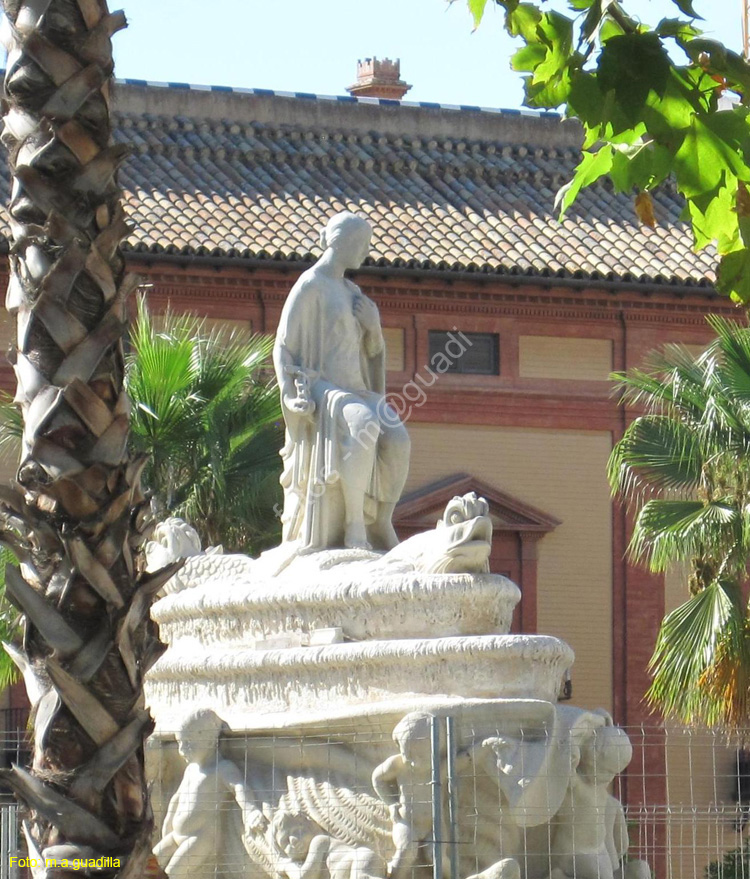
355,536
384,535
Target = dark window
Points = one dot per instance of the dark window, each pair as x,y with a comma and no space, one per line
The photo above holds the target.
465,353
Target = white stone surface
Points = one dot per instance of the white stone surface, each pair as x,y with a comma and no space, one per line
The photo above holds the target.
172,539
210,785
400,606
530,779
347,454
242,683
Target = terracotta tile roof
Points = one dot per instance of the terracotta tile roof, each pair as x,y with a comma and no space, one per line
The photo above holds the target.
244,189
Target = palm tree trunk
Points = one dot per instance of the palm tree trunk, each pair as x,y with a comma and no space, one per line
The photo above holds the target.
77,515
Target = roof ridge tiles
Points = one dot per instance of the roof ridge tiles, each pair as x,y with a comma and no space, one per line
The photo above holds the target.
344,99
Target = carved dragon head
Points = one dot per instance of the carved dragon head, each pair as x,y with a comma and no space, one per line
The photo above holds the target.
460,543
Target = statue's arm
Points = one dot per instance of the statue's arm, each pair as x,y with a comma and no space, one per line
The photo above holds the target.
368,315
252,816
315,861
284,365
385,780
292,373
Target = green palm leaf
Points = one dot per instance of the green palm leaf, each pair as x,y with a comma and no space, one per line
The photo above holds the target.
668,531
684,464
656,452
685,650
209,417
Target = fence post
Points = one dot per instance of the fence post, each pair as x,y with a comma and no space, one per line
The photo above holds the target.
8,840
452,749
437,800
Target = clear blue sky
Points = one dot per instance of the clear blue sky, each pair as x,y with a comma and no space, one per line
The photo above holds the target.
313,45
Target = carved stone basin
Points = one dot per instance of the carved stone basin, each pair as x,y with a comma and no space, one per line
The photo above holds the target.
244,612
250,649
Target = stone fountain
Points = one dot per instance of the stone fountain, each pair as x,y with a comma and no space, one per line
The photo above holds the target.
352,706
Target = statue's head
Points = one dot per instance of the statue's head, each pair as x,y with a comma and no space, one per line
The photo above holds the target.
291,833
198,736
412,734
349,235
606,753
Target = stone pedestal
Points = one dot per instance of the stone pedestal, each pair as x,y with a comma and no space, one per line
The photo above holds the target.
355,694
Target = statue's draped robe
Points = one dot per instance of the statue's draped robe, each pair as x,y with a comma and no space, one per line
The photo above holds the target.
312,333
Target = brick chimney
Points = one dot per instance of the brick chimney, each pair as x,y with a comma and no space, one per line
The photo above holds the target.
379,79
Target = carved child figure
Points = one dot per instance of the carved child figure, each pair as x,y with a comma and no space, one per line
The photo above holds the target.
403,783
589,832
310,853
189,844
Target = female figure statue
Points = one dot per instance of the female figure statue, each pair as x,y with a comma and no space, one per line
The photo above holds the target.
346,454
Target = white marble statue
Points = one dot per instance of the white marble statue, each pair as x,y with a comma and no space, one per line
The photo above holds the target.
171,540
460,543
346,454
189,842
313,652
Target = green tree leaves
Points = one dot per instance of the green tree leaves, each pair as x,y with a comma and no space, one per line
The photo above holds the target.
476,7
630,66
649,103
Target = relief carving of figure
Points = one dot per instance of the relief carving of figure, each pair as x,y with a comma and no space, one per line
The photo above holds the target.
307,852
347,453
188,846
403,783
589,833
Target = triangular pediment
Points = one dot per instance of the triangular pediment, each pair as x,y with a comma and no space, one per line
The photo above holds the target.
423,507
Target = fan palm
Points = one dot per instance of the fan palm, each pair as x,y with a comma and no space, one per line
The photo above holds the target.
206,409
685,466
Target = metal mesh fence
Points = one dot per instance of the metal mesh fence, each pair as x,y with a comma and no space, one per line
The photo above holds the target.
444,799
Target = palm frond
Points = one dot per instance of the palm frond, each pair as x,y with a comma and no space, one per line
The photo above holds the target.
684,465
685,651
734,365
655,451
9,622
668,531
209,416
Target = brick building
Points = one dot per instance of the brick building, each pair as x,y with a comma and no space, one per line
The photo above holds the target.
228,190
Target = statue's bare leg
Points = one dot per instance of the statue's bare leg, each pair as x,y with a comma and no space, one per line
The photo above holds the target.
402,864
393,461
164,849
192,857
